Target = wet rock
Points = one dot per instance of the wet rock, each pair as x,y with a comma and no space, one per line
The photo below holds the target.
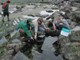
16,41
70,46
3,40
77,28
74,8
72,25
14,34
47,45
20,56
63,41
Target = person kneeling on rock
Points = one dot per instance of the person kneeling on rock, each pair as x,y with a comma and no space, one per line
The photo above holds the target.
25,29
38,27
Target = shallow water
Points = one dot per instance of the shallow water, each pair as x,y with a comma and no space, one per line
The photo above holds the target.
48,50
43,51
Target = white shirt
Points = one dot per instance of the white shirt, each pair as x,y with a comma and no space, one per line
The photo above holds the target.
35,23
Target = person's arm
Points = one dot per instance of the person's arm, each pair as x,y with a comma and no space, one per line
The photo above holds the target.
44,26
36,30
54,27
66,23
18,27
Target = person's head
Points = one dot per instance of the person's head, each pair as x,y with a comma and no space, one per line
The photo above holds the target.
1,3
59,18
52,18
40,20
28,21
50,23
8,1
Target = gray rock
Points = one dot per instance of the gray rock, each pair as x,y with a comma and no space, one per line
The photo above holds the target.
47,45
13,33
15,46
16,41
3,40
20,56
77,28
71,51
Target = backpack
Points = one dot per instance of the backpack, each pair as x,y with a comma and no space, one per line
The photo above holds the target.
4,5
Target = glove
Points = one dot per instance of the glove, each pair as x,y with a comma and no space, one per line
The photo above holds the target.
47,29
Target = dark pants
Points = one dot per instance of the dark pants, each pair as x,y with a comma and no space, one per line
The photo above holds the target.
5,14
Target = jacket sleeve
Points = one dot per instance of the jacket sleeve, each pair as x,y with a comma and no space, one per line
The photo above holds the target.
36,29
18,26
44,26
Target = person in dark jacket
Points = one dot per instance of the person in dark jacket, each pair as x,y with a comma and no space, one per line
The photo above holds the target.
5,10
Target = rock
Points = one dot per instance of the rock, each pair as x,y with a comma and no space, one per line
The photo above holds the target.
20,56
17,20
72,51
77,28
10,52
72,25
41,36
75,35
74,8
47,45
16,41
3,40
13,33
16,44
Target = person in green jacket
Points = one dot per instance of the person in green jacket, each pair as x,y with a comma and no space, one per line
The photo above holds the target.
26,27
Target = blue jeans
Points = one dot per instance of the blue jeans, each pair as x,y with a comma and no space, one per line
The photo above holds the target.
41,28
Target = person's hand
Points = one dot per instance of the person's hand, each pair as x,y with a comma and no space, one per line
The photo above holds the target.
47,29
21,31
32,38
55,29
22,38
61,23
35,37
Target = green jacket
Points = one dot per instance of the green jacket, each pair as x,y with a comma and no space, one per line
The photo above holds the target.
24,26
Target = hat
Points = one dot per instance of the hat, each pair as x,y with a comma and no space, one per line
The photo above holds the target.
29,20
8,1
40,19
